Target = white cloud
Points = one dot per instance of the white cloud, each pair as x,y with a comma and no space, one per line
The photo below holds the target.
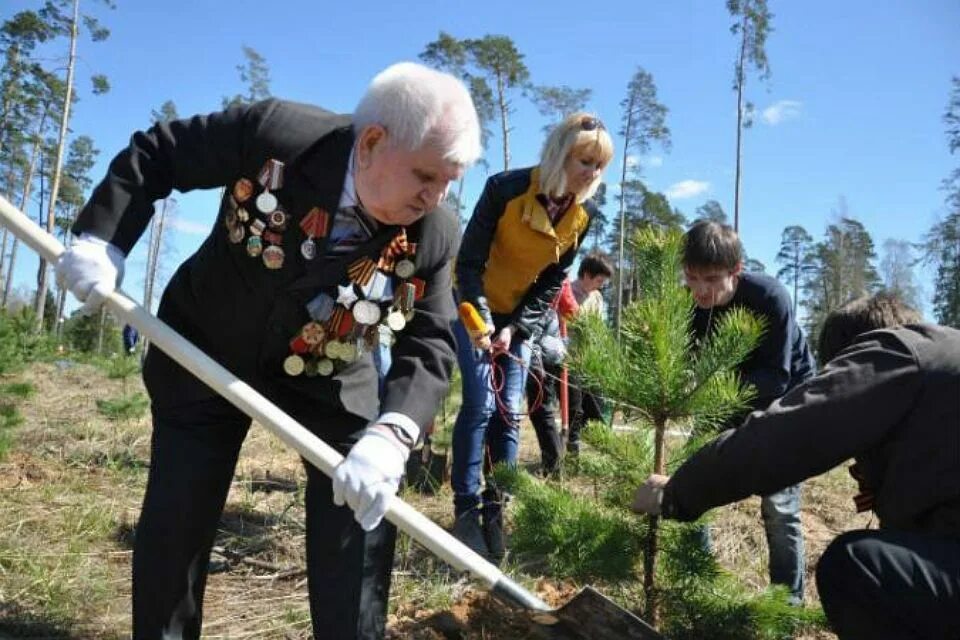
781,111
190,228
687,189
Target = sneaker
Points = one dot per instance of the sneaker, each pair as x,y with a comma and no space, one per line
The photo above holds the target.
467,530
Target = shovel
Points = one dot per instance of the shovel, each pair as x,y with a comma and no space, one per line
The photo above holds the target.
588,615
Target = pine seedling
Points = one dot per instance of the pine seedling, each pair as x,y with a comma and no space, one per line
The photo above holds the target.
656,369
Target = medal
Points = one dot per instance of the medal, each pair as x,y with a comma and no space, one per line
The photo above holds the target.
405,268
324,367
242,214
346,295
348,353
361,271
408,293
293,365
310,370
299,345
316,223
308,249
277,220
271,175
236,234
377,287
273,257
257,227
254,246
242,190
266,202
273,237
420,287
312,333
320,307
332,350
396,321
366,312
344,324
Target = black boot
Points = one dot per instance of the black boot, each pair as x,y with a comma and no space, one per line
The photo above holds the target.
493,502
467,530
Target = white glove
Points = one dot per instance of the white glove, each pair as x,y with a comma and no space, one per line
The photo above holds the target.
369,476
91,268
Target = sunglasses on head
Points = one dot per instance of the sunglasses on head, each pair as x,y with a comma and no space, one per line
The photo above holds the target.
589,123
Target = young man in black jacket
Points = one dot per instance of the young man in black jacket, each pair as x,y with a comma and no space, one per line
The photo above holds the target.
889,396
713,269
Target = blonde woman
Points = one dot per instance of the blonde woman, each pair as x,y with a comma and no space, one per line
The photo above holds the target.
522,237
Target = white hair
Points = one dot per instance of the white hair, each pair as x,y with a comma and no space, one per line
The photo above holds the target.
419,106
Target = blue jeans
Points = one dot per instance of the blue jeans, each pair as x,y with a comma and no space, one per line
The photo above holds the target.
481,422
781,523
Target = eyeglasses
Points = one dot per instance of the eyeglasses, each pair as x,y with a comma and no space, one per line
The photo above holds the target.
589,123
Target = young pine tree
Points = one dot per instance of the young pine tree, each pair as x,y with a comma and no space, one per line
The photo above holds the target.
657,373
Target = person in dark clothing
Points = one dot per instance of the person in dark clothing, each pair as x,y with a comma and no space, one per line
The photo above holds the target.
548,349
713,269
888,396
593,274
330,227
130,338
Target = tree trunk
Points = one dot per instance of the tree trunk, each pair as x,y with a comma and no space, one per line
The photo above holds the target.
623,213
501,98
740,79
153,262
14,65
11,177
61,293
796,277
24,199
61,145
100,331
461,208
652,605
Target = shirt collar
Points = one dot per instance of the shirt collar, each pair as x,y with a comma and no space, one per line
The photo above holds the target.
348,197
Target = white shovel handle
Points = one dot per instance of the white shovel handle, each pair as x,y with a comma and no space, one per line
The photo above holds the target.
245,398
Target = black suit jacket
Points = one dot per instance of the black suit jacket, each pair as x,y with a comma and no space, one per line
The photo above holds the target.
243,314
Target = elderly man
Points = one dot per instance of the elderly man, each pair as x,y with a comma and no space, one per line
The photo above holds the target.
329,227
889,396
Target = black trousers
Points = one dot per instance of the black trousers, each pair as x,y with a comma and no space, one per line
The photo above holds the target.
194,452
891,584
543,415
584,406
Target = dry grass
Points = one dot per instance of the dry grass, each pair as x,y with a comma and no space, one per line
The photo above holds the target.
70,493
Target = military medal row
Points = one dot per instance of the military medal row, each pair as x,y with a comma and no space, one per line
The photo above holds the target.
263,231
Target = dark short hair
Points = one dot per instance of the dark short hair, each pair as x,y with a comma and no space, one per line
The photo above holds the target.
868,313
708,245
595,265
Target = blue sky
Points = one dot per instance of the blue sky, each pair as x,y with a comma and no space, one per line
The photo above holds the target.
853,108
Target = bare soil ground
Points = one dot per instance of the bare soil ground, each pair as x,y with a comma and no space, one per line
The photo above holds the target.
70,492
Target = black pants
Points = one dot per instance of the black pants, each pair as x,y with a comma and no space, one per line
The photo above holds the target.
584,406
194,452
543,415
891,584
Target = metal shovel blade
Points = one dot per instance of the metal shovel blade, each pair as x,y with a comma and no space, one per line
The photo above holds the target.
589,615
593,616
